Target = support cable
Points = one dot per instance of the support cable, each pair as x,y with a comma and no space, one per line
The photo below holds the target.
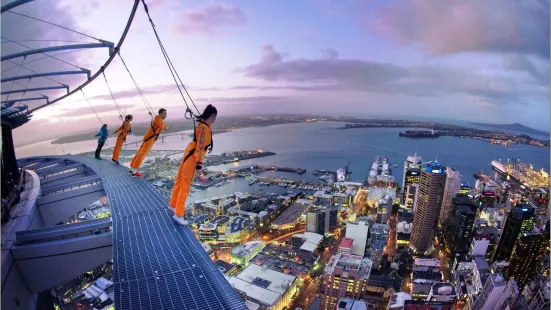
63,61
50,23
175,76
112,96
91,106
142,95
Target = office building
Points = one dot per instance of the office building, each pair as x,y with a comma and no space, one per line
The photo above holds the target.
537,294
384,209
345,246
359,232
345,276
411,163
431,191
494,285
397,301
208,233
269,289
484,241
351,304
510,294
322,221
442,292
460,225
464,188
520,221
451,188
523,261
242,254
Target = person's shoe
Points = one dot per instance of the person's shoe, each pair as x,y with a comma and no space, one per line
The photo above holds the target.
116,161
180,220
137,174
172,209
98,158
130,171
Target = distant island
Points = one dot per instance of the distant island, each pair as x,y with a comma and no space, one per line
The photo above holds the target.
417,134
514,127
230,123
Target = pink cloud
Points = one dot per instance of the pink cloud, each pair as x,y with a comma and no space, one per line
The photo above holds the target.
447,26
210,19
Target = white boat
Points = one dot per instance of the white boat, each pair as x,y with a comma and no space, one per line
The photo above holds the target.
499,167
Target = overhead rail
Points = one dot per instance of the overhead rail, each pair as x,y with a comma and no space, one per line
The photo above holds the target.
13,4
60,48
9,103
45,74
15,91
109,60
64,231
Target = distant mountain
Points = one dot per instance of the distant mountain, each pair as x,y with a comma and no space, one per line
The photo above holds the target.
514,127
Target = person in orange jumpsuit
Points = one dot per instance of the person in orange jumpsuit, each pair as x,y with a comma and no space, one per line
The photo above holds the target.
123,131
192,163
157,125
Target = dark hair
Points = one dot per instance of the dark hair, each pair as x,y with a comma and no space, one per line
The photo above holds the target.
208,112
104,126
161,111
129,116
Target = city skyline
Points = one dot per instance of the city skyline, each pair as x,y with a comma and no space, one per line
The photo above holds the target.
321,57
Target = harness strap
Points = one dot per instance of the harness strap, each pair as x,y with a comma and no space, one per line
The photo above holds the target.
155,135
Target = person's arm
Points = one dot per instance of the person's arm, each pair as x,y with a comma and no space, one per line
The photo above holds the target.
120,129
201,136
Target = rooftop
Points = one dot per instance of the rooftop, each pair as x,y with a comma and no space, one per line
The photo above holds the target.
351,304
311,240
246,249
346,242
349,262
262,284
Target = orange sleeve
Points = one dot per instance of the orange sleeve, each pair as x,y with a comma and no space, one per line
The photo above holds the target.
158,125
120,128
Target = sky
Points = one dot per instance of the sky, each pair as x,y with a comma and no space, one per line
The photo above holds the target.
471,60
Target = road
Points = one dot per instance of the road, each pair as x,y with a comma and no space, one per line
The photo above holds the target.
390,248
359,203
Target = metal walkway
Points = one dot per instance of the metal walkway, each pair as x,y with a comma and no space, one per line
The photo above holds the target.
157,264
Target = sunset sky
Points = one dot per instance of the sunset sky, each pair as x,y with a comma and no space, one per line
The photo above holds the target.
467,60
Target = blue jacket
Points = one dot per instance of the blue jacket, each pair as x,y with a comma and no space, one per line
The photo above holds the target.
103,134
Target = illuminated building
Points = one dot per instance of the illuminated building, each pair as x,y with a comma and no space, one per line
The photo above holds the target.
345,276
358,231
208,233
451,188
429,201
443,292
520,221
528,250
411,179
345,246
411,163
322,221
464,188
242,254
494,285
459,230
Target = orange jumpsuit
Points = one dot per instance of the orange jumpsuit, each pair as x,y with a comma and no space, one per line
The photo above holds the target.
157,125
192,160
124,131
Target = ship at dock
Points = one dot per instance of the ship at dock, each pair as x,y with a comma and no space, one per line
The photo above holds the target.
522,173
380,170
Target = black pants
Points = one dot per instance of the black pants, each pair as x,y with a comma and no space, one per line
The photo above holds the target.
98,150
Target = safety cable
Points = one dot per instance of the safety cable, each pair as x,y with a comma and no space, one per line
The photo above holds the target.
91,106
171,67
63,27
140,92
112,96
18,69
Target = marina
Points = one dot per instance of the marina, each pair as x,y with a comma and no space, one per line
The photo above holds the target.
380,170
523,173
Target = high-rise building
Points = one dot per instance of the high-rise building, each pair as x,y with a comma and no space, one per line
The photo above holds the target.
322,221
494,285
459,230
384,209
509,295
520,221
464,188
453,183
345,276
412,162
345,246
429,201
442,292
527,251
537,293
359,232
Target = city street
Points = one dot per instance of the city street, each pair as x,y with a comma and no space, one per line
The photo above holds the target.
390,248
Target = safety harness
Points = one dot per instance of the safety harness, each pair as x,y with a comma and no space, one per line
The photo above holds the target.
207,148
155,135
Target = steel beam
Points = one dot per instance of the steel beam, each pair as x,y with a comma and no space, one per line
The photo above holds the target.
15,91
60,48
14,4
111,57
30,76
9,103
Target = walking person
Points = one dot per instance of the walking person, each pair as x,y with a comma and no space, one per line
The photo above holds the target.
192,163
157,125
124,130
103,134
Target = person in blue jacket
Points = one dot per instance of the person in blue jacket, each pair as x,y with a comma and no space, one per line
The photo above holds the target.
102,134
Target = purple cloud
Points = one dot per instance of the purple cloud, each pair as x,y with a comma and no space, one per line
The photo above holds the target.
448,26
210,19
